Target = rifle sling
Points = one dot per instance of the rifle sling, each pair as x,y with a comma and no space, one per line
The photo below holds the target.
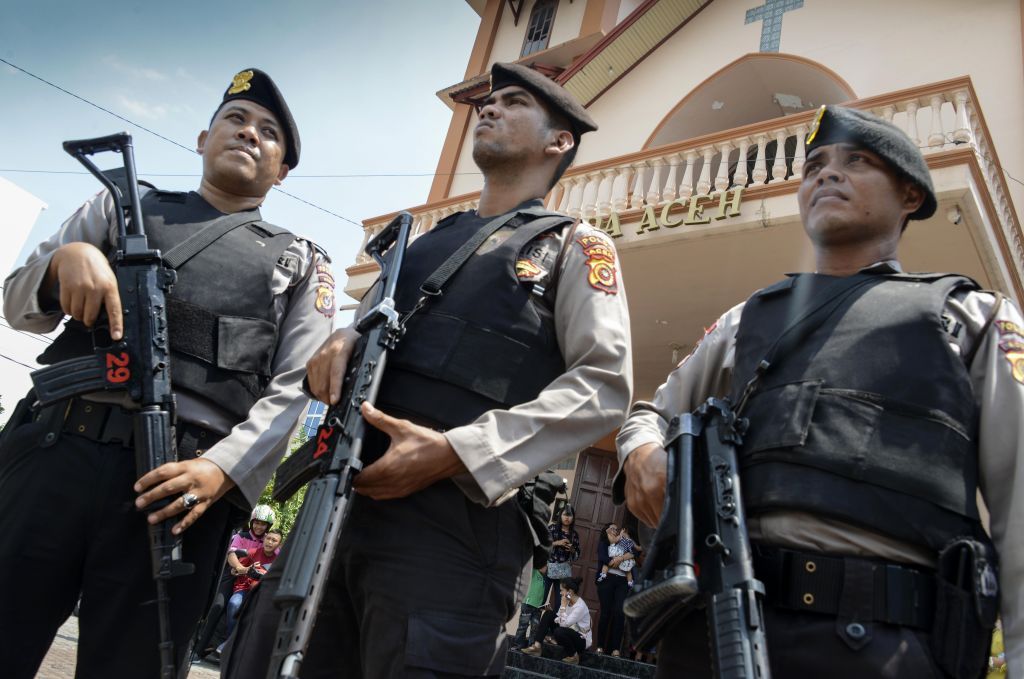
808,319
435,283
177,256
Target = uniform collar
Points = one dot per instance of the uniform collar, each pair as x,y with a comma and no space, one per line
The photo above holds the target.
881,267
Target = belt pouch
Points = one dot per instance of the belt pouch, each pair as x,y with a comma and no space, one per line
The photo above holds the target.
965,607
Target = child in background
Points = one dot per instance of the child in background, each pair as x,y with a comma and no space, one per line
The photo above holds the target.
620,544
530,611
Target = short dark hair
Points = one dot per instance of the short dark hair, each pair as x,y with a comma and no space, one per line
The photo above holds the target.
571,584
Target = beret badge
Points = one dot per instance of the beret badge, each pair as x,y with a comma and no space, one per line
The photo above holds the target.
240,83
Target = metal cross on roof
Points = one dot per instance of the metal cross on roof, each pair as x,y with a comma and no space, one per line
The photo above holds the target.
770,14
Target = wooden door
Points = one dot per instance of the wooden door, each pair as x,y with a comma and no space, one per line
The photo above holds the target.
592,500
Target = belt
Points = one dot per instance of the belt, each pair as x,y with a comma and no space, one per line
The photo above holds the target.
110,423
814,583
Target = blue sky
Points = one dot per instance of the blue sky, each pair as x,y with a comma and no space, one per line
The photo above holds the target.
360,78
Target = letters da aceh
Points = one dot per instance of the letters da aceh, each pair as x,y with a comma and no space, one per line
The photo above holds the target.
687,211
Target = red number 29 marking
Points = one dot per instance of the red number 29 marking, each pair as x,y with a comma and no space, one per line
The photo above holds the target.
117,368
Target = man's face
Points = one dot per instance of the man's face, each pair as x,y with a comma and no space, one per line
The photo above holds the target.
243,150
851,195
259,527
271,542
512,125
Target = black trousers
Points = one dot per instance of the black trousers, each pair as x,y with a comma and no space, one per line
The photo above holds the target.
569,639
69,526
805,645
420,587
611,592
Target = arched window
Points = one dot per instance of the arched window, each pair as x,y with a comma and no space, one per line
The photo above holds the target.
538,29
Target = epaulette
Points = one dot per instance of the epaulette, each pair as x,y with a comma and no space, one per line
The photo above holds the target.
319,250
170,196
447,219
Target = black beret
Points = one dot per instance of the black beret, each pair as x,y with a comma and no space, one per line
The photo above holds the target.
553,94
256,86
838,124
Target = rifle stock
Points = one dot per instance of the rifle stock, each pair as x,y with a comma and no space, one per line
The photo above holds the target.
138,365
333,459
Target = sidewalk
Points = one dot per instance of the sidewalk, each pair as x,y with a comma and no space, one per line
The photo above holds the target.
60,661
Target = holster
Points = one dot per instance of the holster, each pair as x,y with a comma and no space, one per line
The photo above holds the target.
966,606
535,499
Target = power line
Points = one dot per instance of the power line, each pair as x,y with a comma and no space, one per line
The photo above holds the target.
14,360
158,135
94,105
290,176
38,338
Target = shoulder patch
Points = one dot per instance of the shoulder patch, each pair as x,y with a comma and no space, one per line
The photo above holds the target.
1011,343
707,331
602,271
324,290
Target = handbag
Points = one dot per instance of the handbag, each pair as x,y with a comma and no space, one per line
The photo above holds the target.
558,570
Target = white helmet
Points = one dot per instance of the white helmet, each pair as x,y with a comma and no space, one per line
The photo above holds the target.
262,513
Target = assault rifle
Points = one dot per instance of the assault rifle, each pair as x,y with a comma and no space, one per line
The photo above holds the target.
702,447
332,460
137,365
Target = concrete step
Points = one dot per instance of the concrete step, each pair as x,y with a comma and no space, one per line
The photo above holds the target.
591,666
516,673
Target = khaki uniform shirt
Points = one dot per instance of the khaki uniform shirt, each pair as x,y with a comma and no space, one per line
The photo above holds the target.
303,305
503,449
997,375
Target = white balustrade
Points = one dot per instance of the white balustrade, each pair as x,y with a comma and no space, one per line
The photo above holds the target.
760,173
704,181
912,107
604,192
962,131
640,181
686,187
672,182
800,156
944,118
740,176
589,208
779,166
620,189
937,137
722,178
654,192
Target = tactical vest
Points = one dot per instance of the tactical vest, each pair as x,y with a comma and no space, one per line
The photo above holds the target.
483,344
221,309
871,419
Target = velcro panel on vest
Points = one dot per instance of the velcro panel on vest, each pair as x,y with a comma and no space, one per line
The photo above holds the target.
780,486
229,342
479,360
863,437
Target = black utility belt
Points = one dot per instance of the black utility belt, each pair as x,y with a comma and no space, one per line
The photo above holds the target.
110,423
813,583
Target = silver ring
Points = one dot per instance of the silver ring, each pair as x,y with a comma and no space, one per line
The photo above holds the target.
190,500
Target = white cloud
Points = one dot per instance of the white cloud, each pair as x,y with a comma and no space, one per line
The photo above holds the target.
141,109
133,70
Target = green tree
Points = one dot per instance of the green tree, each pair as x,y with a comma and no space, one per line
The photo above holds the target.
287,511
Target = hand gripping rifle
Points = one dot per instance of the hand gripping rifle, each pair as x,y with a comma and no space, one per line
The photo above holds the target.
138,364
332,460
702,447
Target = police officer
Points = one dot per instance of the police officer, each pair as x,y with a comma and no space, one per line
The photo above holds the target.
523,360
245,313
867,440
